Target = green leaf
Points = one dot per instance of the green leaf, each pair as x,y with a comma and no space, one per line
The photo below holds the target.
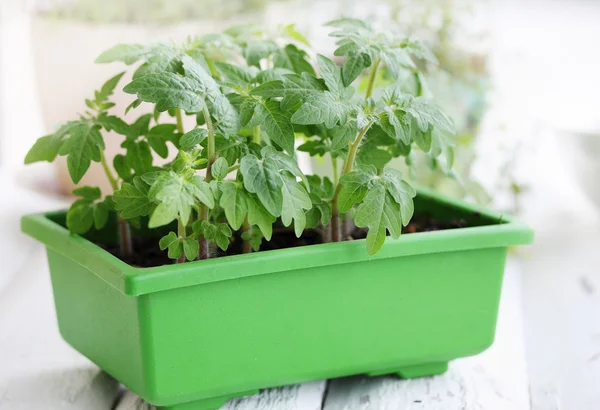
140,126
121,166
349,23
353,66
355,186
193,138
291,32
255,236
158,136
323,108
237,74
219,233
108,88
80,217
262,178
370,154
233,201
258,215
276,123
100,213
88,192
342,136
256,50
320,212
126,53
138,156
168,240
294,59
377,212
113,123
295,201
83,145
220,168
45,149
190,248
401,192
176,196
132,199
331,73
167,90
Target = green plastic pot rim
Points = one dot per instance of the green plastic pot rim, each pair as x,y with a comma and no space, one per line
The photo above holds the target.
135,281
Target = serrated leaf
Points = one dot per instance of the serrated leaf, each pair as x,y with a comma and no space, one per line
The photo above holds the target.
276,124
342,136
219,233
108,88
237,74
113,123
294,59
158,136
220,168
126,53
100,213
193,138
256,50
353,66
120,165
295,201
80,217
355,187
323,108
132,199
138,156
45,149
262,178
401,192
370,154
378,212
331,73
233,202
258,215
88,192
167,90
83,145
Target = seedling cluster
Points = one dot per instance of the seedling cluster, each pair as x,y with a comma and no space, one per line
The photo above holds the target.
255,96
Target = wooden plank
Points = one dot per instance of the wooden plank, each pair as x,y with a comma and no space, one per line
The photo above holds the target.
39,370
307,396
493,380
562,317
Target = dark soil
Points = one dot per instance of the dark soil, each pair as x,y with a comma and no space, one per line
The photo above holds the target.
146,252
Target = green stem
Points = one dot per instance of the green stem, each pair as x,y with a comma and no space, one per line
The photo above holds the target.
114,183
125,243
182,234
334,166
372,78
348,165
256,135
233,168
179,119
204,252
247,246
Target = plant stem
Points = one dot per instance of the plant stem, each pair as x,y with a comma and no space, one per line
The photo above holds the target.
179,119
114,183
204,252
372,79
256,135
247,246
182,234
124,233
334,166
348,165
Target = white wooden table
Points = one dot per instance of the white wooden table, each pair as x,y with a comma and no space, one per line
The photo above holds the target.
40,371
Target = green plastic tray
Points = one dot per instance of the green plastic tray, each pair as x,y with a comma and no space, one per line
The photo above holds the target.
194,335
